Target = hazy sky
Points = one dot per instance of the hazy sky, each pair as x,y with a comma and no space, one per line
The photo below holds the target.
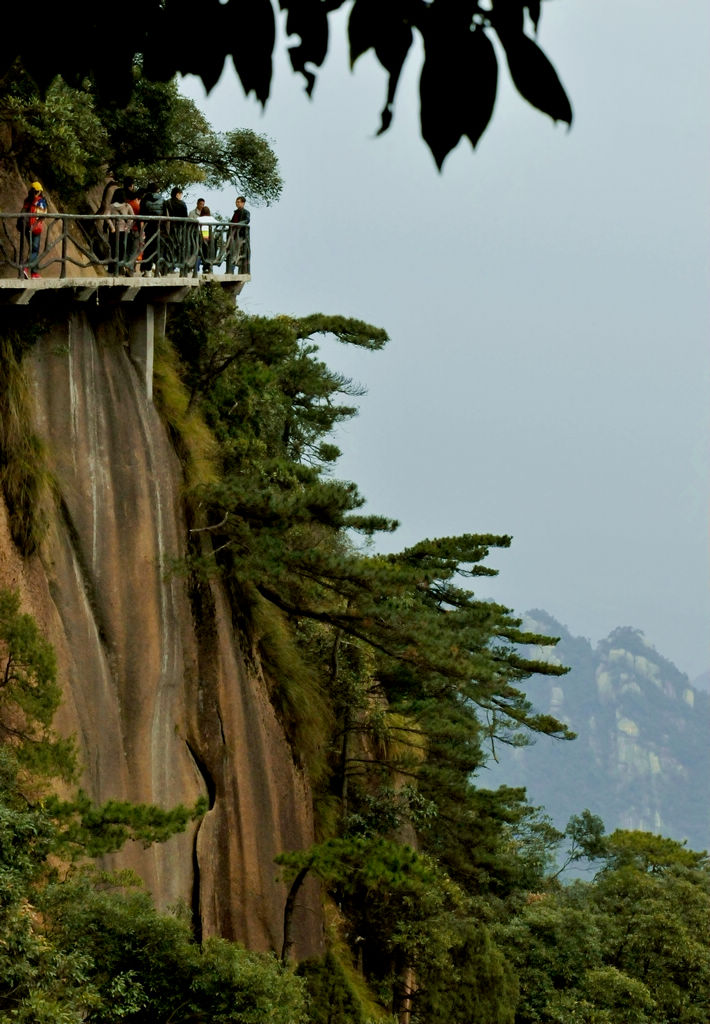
546,297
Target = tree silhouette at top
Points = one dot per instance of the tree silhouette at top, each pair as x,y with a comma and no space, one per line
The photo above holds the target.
459,76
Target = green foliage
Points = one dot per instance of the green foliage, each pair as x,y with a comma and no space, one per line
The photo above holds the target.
88,948
59,136
649,853
478,987
331,999
397,901
30,695
630,946
191,437
283,523
85,829
69,137
411,921
402,661
585,835
141,962
162,136
303,709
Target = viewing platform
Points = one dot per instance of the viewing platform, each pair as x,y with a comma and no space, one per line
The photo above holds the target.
111,290
142,264
109,258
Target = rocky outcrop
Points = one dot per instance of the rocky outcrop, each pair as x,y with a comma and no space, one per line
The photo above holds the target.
156,686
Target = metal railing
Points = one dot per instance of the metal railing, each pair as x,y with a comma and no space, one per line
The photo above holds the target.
120,245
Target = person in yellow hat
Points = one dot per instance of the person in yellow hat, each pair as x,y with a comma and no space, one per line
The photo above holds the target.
29,223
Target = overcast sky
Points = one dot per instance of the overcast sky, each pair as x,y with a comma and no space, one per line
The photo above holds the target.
546,297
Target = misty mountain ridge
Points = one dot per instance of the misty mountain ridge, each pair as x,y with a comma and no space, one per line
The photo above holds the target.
641,759
702,682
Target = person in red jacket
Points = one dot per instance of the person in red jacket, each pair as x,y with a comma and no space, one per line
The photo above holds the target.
31,227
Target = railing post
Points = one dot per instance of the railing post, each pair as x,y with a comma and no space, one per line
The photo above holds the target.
63,264
21,254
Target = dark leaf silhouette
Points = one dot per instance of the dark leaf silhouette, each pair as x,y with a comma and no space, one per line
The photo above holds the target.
508,15
309,20
534,76
251,30
534,12
387,30
483,85
458,82
169,41
364,27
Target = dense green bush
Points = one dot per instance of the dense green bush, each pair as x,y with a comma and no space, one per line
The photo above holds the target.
72,140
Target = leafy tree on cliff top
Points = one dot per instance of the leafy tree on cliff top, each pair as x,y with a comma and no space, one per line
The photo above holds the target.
458,82
70,137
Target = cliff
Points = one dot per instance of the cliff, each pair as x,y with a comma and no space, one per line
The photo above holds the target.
164,702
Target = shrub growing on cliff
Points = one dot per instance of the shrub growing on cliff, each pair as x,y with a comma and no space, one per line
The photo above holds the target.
30,696
70,138
141,965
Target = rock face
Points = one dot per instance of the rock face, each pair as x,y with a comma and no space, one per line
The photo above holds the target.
641,759
157,689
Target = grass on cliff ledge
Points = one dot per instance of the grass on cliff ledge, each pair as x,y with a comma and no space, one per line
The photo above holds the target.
193,440
294,693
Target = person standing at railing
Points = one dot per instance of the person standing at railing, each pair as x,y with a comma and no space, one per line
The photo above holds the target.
135,239
238,243
119,232
176,207
31,227
205,222
151,206
198,209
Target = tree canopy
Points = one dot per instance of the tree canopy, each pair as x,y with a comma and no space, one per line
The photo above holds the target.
459,76
75,134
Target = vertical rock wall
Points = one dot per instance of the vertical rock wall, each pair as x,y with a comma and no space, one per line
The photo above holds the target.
156,688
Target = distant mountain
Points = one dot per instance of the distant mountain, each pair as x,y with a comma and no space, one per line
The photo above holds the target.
702,682
641,759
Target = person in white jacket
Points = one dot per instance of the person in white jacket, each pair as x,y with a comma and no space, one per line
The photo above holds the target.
204,223
120,233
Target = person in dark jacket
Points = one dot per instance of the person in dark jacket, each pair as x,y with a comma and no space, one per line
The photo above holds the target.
175,206
152,205
175,233
239,243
